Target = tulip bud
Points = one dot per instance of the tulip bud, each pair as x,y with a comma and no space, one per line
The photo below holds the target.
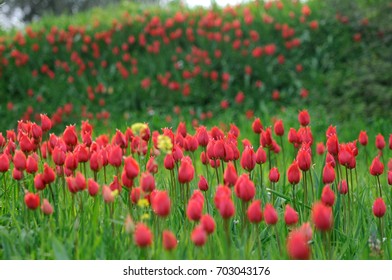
142,235
322,216
254,212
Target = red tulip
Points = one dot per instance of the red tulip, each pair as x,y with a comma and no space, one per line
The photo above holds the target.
274,175
390,177
58,156
2,140
93,187
297,245
32,200
342,187
279,128
46,123
304,118
38,182
330,160
169,162
128,183
142,235
115,184
169,240
82,153
265,138
131,167
80,181
186,171
147,182
345,155
230,175
222,192
261,156
292,136
208,223
257,126
320,148
194,210
46,207
203,184
322,216
290,216
96,161
181,129
31,165
202,136
152,166
71,161
69,136
36,132
379,208
363,138
199,236
19,160
333,145
177,153
248,159
4,163
48,176
245,188
135,195
328,196
390,141
304,160
108,195
254,213
115,156
293,173
161,204
219,149
226,208
270,214
380,141
328,174
17,174
377,167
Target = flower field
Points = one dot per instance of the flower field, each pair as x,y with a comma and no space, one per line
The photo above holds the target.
175,133
201,194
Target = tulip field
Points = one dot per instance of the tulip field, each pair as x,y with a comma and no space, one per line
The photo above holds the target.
170,133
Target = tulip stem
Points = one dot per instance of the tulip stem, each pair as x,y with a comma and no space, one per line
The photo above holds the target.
311,185
258,243
284,156
381,230
5,187
187,190
379,185
278,239
294,204
228,241
223,169
216,172
349,199
305,191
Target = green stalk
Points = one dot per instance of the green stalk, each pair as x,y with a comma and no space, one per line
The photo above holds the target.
228,240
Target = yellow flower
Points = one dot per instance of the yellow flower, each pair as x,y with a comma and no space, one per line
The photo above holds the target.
145,216
165,144
143,203
139,128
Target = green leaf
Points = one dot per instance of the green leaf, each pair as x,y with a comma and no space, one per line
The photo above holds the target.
60,253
